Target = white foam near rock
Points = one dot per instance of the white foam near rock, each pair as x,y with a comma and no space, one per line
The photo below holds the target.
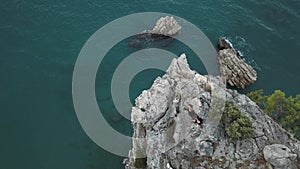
233,67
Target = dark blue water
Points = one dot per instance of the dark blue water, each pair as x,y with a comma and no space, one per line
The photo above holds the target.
39,44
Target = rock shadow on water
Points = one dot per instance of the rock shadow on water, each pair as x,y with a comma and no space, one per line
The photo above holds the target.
147,40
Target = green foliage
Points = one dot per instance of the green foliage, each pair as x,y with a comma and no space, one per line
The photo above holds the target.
258,97
284,110
237,125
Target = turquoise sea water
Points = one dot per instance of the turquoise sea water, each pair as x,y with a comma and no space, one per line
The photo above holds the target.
39,44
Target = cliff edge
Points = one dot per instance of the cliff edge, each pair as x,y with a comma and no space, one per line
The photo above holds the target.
167,134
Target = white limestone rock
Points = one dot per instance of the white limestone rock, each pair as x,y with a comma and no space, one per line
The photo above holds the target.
280,156
169,139
166,26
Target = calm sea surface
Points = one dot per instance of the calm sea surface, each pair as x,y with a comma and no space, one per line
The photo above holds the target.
40,41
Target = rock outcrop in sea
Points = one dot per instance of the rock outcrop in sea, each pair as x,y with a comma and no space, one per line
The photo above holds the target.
233,67
162,33
167,138
166,26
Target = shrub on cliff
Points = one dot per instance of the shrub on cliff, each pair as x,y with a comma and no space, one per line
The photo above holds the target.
284,110
237,125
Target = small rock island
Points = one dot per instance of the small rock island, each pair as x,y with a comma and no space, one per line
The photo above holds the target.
164,30
166,26
233,66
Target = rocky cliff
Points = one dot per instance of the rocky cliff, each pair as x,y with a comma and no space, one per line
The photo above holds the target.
166,135
233,66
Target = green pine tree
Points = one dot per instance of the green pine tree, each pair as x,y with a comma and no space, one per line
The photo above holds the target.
237,125
284,110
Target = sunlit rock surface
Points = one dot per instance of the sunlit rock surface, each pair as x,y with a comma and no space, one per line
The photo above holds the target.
167,26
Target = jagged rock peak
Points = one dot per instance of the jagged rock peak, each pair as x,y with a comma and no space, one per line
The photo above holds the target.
167,136
167,26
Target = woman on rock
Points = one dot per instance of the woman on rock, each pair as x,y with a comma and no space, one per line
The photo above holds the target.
195,117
